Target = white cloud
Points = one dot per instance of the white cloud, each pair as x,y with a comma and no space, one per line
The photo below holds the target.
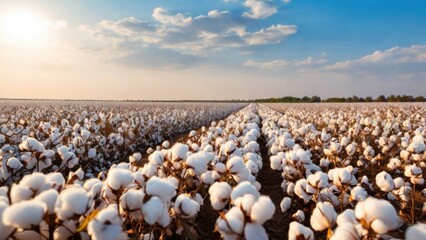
280,63
415,53
272,34
287,1
259,9
162,15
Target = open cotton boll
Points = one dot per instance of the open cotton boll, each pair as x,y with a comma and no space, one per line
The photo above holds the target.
14,163
106,225
232,222
235,165
178,152
385,182
285,204
149,170
347,216
4,229
394,163
253,231
346,231
275,162
131,202
220,167
252,167
299,216
56,181
72,202
208,178
32,145
23,215
415,174
323,217
244,188
416,232
161,188
220,193
156,211
198,162
20,193
48,200
298,231
262,210
379,214
358,193
186,207
417,145
156,158
36,182
300,190
119,178
245,203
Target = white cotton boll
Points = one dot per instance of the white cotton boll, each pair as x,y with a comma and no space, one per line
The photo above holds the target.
14,163
207,178
347,216
32,145
161,188
244,188
323,217
20,193
56,181
198,162
285,204
253,231
156,158
345,231
91,153
416,232
399,182
156,211
379,214
48,200
106,225
220,193
417,145
300,190
404,154
166,144
318,180
394,163
36,182
358,193
71,202
275,162
131,202
85,134
290,189
178,152
149,170
232,222
252,167
220,167
119,178
186,207
245,203
299,216
23,215
298,231
324,162
385,182
415,174
77,175
262,210
94,187
303,156
235,165
4,230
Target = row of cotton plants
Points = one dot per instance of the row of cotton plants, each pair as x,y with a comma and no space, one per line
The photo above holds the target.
349,171
159,198
63,136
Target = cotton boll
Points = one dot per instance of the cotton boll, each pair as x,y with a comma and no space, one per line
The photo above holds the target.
156,211
32,145
178,152
186,207
379,214
253,231
198,162
220,167
208,178
245,203
106,225
4,229
252,167
23,215
131,202
72,202
14,163
262,210
394,163
244,188
299,216
20,193
346,231
298,231
220,193
36,182
119,178
232,222
323,217
416,232
385,182
358,193
48,200
56,181
235,165
285,204
275,162
300,190
149,170
415,174
156,158
161,188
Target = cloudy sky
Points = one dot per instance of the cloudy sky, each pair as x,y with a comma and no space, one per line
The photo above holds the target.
211,49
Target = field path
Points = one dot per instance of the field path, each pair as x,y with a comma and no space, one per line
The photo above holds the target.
271,186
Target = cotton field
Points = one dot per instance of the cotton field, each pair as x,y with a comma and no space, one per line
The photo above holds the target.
114,170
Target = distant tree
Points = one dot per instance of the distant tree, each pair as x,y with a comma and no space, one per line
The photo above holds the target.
381,98
368,99
315,99
420,99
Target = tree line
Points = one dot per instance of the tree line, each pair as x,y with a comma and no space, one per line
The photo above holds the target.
316,99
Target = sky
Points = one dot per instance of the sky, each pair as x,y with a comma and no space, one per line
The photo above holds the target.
211,49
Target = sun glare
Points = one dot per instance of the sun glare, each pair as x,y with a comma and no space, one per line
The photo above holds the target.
21,26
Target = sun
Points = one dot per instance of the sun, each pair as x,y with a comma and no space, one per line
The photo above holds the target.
21,26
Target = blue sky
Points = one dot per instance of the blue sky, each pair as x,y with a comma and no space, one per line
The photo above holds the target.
212,49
